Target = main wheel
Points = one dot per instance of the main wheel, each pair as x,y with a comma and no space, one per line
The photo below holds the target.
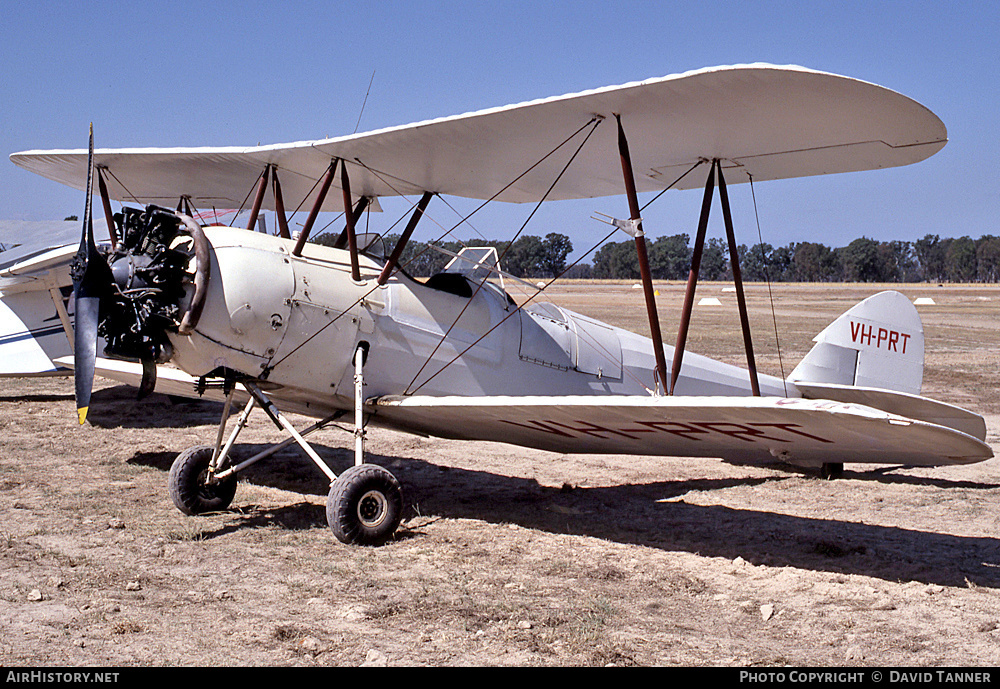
830,471
365,505
187,483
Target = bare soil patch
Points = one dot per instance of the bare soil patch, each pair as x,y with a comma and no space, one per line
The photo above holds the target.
509,556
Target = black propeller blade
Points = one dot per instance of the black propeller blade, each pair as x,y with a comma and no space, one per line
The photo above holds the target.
92,280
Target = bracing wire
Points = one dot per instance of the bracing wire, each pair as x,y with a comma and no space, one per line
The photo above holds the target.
447,232
767,277
542,289
548,191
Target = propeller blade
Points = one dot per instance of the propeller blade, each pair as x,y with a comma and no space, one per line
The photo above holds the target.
91,280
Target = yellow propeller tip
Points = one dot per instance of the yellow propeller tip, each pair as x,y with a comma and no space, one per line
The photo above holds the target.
82,411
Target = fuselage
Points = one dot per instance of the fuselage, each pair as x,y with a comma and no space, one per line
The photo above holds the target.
297,321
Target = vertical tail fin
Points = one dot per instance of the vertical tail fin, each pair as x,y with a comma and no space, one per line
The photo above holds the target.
878,343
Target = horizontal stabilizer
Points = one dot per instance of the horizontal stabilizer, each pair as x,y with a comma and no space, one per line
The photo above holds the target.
911,406
801,431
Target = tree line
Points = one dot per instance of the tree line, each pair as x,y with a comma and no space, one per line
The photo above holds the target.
930,259
527,257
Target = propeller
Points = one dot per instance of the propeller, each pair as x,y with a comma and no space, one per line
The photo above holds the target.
92,280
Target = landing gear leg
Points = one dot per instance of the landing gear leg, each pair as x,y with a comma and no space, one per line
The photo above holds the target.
365,504
831,470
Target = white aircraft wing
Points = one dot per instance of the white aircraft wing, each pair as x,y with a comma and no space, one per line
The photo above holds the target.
35,309
26,239
801,431
761,120
169,380
49,232
900,403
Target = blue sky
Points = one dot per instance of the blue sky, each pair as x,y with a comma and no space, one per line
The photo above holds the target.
214,73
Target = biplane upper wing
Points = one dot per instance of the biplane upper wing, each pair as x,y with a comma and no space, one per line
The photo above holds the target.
761,120
801,431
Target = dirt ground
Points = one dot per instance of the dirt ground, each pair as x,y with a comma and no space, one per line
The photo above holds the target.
510,556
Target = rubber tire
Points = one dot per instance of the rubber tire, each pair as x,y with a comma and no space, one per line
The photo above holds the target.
831,471
187,483
364,488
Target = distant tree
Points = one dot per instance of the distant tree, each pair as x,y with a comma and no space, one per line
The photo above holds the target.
779,265
670,257
930,252
754,263
524,256
555,250
895,261
988,259
71,217
860,260
960,260
617,261
905,260
715,260
581,271
814,262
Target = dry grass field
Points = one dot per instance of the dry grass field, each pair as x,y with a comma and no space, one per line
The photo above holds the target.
510,556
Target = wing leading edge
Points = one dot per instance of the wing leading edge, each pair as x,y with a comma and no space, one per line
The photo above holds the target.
762,120
800,431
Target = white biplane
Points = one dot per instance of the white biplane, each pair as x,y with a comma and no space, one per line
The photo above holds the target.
283,324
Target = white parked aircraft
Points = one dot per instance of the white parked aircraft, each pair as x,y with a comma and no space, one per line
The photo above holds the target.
283,324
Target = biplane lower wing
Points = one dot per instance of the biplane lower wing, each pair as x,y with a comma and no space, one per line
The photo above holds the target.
801,431
169,381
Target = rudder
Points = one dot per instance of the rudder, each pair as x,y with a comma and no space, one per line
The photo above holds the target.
878,343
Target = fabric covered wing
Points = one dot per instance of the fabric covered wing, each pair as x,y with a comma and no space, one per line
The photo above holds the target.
761,120
740,429
169,381
903,404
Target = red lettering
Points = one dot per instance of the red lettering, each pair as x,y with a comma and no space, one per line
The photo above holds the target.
855,327
751,432
682,430
538,426
739,430
594,430
790,427
866,334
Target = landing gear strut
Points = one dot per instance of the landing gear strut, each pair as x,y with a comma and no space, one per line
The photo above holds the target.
365,504
831,470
